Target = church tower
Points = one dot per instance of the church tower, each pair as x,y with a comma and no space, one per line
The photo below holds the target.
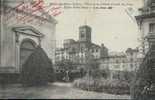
85,33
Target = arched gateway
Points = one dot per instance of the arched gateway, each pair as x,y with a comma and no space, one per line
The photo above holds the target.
27,39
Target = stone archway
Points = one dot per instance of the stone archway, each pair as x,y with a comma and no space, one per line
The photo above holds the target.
26,48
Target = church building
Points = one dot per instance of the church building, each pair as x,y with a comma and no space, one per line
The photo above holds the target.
22,30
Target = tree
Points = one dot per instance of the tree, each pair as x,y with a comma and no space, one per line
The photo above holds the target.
92,66
37,70
105,72
66,67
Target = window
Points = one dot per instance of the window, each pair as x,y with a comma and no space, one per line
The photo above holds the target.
152,2
131,53
82,49
117,61
131,59
73,49
82,35
131,65
123,61
117,66
81,56
82,30
92,50
152,27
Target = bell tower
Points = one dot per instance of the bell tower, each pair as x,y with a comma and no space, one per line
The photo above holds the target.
85,33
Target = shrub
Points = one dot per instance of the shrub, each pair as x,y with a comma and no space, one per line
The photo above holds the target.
37,69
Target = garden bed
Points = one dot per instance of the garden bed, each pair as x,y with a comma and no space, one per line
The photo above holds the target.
103,85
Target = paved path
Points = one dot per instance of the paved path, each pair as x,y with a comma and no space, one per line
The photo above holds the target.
54,91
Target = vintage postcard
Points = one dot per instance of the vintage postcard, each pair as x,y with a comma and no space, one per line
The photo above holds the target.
77,49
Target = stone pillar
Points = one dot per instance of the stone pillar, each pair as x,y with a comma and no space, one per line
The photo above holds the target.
1,27
17,52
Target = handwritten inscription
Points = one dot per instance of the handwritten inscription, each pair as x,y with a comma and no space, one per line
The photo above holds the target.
39,5
54,8
36,7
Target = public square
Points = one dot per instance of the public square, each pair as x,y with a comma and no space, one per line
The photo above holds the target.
55,90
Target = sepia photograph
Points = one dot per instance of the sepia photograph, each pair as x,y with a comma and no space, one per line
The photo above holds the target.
77,49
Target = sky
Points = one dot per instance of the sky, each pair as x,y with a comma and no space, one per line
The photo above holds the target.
114,27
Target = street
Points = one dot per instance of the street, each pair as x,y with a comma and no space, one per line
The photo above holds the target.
53,91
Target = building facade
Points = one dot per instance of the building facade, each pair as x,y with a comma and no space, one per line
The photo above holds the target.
76,51
145,75
21,32
146,22
117,62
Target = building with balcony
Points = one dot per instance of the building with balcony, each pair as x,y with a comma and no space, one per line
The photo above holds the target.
144,82
146,22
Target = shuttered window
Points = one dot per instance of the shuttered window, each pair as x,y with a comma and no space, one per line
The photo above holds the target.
152,28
